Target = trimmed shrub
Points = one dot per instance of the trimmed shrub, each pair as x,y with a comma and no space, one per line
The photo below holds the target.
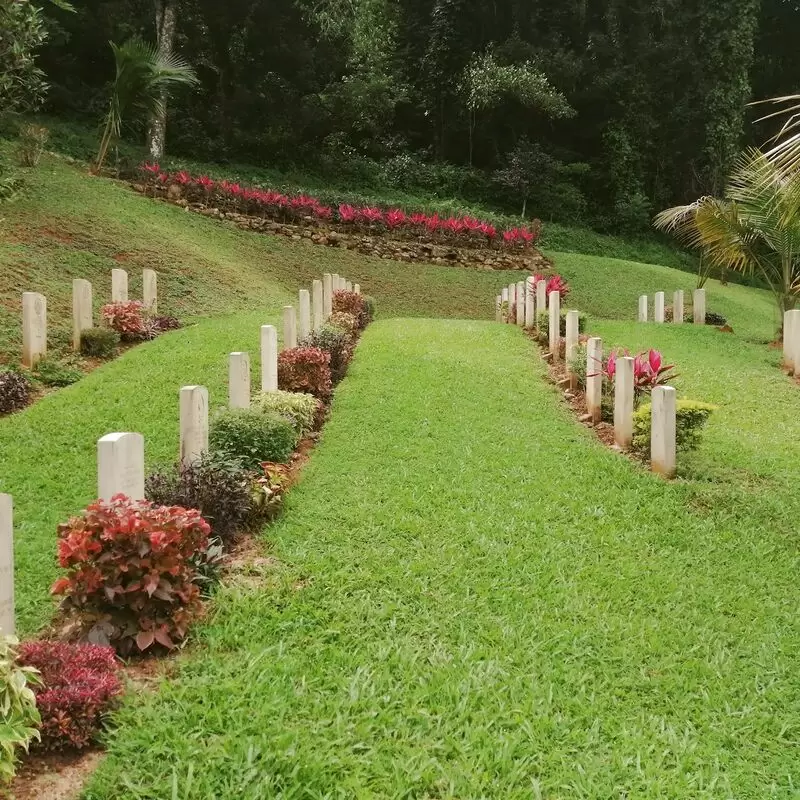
131,568
80,683
52,372
690,418
19,717
250,436
305,369
302,410
348,303
337,343
713,318
219,489
166,323
15,391
127,319
99,342
347,322
270,489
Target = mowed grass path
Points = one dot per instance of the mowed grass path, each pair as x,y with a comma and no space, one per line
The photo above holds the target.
473,598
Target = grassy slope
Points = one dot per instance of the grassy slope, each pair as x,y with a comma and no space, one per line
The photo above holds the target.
72,225
477,599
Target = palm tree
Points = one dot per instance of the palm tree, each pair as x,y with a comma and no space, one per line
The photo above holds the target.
144,79
754,229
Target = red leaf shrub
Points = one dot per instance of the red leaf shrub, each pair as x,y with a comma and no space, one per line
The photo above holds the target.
132,565
649,370
555,283
127,319
79,685
349,303
305,369
461,230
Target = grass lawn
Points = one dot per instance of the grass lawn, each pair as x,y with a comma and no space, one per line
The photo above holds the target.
473,598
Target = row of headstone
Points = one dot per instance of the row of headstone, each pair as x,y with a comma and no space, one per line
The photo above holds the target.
663,408
34,311
663,400
527,298
315,308
659,312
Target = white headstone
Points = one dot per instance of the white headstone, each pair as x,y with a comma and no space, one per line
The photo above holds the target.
289,328
659,307
504,294
34,328
623,402
357,288
348,286
327,295
269,359
150,290
699,307
239,380
571,344
81,310
498,309
7,623
791,338
119,286
541,299
594,378
193,423
530,305
304,321
555,325
318,305
677,306
120,466
643,308
521,303
662,436
336,283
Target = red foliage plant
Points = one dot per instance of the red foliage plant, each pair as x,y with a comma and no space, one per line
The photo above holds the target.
649,370
127,319
349,303
305,369
80,683
132,566
301,208
555,283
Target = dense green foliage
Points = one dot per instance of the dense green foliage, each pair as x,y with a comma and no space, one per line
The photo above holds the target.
690,418
250,436
625,107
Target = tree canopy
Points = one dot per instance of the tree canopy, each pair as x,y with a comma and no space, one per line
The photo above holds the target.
639,105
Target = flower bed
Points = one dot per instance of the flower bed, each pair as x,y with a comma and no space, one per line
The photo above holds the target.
406,235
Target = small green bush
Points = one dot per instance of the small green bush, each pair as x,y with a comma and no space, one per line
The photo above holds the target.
99,342
302,410
52,372
15,391
251,436
543,322
19,717
337,343
690,418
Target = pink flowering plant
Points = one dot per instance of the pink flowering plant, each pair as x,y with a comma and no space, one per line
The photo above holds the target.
649,371
302,209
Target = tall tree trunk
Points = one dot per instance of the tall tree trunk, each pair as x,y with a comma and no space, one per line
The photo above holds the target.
165,37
